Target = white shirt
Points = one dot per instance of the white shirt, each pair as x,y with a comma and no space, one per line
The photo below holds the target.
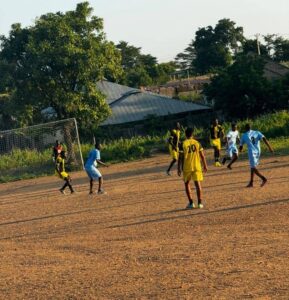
232,137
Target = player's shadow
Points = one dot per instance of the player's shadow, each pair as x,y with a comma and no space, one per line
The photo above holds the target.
126,175
189,213
196,212
120,176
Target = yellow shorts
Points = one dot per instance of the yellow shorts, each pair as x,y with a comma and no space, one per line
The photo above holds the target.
174,154
216,143
63,175
195,176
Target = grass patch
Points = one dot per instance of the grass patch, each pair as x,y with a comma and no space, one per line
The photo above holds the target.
127,149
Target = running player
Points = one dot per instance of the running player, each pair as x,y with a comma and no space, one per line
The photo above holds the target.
190,164
60,171
174,140
216,133
232,150
91,168
252,139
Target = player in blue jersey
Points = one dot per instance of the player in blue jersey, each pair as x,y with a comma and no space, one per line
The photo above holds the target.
91,168
252,139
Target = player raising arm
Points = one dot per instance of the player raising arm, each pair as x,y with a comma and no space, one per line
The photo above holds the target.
190,163
252,139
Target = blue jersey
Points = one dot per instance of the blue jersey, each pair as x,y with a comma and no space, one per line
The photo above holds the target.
252,139
92,157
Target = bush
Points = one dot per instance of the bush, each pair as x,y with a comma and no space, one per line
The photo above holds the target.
271,125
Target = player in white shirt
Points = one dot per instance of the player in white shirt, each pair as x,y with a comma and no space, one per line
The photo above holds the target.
232,138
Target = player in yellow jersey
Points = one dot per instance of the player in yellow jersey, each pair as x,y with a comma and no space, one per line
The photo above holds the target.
60,171
174,141
190,162
216,134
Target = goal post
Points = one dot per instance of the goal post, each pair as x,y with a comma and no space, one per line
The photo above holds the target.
27,152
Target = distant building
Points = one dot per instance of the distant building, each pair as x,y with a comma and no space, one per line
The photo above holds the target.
132,106
274,70
175,87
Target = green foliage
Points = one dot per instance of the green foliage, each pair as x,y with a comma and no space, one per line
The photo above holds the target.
271,125
273,46
55,63
185,60
280,146
142,69
127,149
6,120
250,46
212,48
22,164
241,91
190,96
24,158
138,77
163,72
277,46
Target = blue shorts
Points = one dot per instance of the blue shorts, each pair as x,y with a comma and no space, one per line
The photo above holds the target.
232,150
93,172
254,158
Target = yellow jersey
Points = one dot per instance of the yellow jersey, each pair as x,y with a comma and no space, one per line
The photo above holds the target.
192,158
60,164
216,131
175,137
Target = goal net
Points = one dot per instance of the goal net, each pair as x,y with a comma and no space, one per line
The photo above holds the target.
28,152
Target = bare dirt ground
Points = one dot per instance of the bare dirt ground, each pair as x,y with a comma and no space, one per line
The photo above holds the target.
138,242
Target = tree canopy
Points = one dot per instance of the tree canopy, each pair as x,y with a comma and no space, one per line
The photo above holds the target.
212,48
56,63
241,91
142,69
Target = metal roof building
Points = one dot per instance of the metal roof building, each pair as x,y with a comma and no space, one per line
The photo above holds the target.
132,105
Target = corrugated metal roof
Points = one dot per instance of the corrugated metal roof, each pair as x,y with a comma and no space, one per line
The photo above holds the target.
113,91
130,105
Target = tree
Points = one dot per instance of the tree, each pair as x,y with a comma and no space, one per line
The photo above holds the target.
278,46
185,60
241,91
142,69
56,63
274,47
139,69
130,55
250,46
164,72
215,47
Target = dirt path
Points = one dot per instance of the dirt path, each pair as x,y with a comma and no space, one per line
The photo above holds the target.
138,242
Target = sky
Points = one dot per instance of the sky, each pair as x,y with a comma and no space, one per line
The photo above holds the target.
162,28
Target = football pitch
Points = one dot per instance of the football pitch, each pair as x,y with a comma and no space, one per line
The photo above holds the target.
138,241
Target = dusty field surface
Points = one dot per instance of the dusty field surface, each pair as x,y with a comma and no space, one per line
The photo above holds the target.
138,241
